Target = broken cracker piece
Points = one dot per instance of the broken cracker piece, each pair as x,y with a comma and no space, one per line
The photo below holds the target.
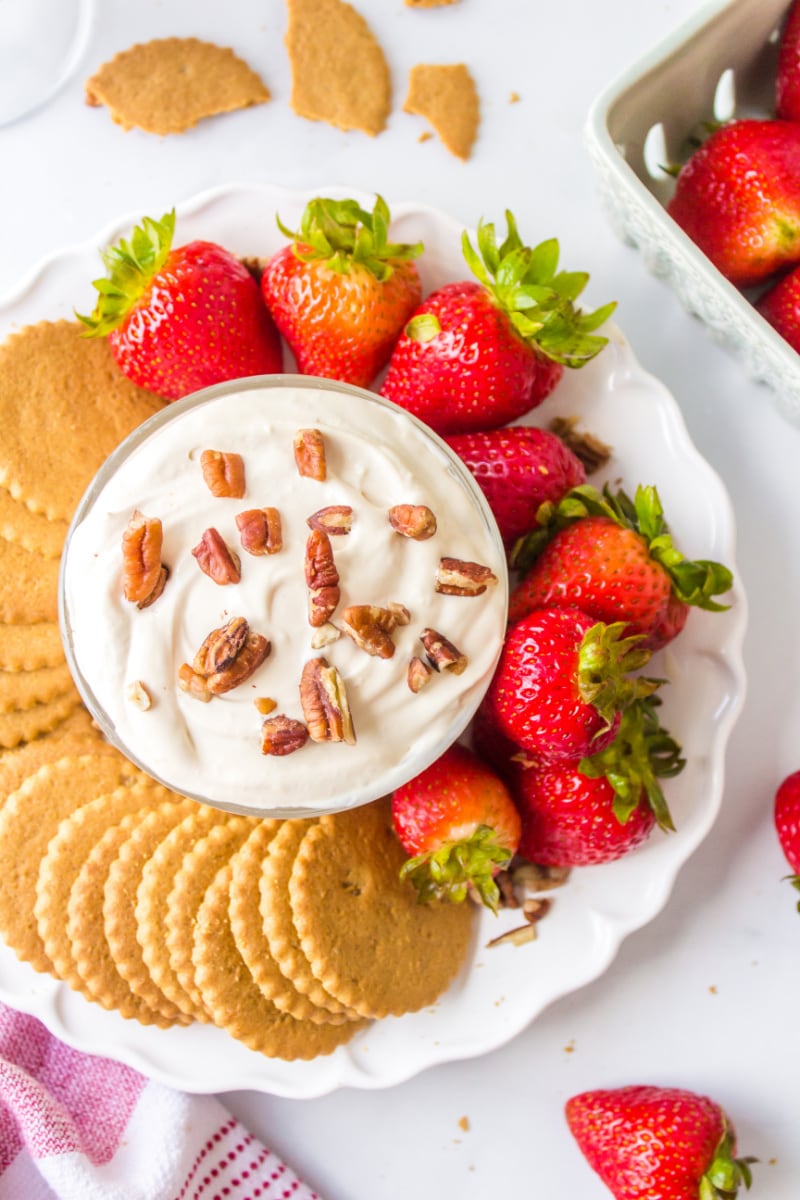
445,94
169,84
429,3
339,72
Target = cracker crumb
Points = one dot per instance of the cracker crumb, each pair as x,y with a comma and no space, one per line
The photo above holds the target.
425,136
446,95
463,1123
514,98
570,1047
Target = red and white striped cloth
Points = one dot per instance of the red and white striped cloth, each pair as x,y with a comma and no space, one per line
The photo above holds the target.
77,1127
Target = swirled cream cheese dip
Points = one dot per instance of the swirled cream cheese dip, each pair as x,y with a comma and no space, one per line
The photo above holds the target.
126,659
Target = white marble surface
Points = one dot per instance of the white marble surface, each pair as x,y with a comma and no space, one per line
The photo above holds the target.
705,996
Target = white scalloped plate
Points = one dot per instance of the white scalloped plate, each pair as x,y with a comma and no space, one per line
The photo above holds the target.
503,989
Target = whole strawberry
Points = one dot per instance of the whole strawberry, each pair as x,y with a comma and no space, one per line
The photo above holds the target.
460,825
181,319
787,823
595,811
616,558
658,1143
737,198
477,355
340,292
780,305
787,72
518,468
562,682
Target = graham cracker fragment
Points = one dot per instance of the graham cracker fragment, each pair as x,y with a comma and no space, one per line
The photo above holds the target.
278,924
28,585
29,819
27,647
169,84
446,95
152,894
366,936
64,856
31,530
64,406
251,940
232,997
101,980
339,72
20,690
119,897
25,725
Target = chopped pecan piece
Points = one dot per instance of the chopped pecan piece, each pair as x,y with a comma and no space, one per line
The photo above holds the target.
223,473
514,937
255,650
193,684
265,705
415,521
282,735
418,674
226,659
454,577
216,559
138,694
260,530
309,453
325,705
442,654
336,519
371,627
324,635
143,573
220,649
322,578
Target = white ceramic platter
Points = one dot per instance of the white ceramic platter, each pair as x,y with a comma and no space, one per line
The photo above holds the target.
502,989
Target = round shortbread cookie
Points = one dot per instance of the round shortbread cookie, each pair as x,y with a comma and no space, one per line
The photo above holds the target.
251,941
119,901
29,819
27,647
23,726
158,878
31,530
192,880
102,981
64,406
67,851
367,937
276,917
28,585
21,690
234,1000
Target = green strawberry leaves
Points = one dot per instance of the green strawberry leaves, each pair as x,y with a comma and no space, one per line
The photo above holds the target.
449,872
605,660
694,582
726,1174
641,753
342,233
538,298
130,266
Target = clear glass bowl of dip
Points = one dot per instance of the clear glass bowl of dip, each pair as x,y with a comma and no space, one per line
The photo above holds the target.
126,659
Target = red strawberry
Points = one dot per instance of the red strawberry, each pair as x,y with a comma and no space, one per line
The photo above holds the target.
518,468
561,683
787,823
658,1143
459,823
576,815
615,558
737,198
787,76
780,305
340,293
477,355
179,320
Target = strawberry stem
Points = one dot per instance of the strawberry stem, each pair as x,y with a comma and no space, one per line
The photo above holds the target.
341,233
130,266
456,868
726,1174
605,660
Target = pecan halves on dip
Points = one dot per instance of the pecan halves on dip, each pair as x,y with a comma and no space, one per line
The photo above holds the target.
260,530
223,473
415,521
454,577
309,454
282,735
226,659
143,573
324,701
336,519
216,559
371,627
442,654
322,578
